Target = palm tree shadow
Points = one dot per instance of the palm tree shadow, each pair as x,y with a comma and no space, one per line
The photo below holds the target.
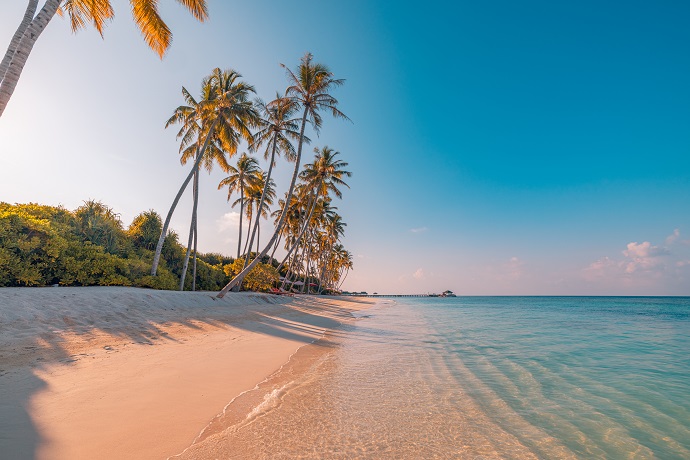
125,318
19,436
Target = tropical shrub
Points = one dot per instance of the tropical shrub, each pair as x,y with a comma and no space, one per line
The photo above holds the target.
261,278
145,229
45,245
30,247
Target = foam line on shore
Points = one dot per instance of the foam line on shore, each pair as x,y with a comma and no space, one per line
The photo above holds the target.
269,395
133,373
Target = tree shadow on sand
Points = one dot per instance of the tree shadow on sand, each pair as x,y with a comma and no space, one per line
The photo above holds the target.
42,327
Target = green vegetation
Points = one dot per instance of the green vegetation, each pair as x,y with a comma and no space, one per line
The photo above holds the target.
309,92
43,245
46,245
261,278
212,127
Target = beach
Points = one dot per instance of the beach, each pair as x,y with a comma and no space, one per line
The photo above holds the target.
117,372
141,374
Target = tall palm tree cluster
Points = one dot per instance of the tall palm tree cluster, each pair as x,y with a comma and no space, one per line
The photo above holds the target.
212,128
314,228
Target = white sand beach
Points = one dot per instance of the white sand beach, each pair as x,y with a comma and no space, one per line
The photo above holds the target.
115,372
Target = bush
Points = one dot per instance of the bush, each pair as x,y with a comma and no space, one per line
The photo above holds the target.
145,230
261,278
44,245
30,247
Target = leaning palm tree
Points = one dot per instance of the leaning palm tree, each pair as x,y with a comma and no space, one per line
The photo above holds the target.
310,88
262,195
278,129
323,176
301,241
334,228
239,179
225,116
156,32
346,265
188,116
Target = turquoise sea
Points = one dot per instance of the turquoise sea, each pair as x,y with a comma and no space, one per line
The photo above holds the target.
486,377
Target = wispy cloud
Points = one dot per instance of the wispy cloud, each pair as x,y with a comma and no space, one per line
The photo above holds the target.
418,230
228,221
672,237
514,268
228,224
419,274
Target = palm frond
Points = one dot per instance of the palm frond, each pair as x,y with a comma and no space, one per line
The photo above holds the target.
156,32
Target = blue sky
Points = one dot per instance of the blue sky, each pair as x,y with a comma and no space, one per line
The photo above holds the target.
496,147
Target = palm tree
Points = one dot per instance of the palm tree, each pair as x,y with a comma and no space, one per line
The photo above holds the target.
225,116
80,12
189,116
16,38
310,88
322,177
334,228
304,239
261,196
346,264
292,220
239,179
278,127
192,233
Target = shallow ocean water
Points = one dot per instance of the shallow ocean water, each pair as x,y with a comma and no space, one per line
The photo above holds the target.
477,377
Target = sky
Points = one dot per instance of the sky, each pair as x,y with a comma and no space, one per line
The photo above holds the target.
497,148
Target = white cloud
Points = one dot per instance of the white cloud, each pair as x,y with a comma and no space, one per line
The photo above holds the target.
643,256
418,230
643,265
230,221
644,250
419,274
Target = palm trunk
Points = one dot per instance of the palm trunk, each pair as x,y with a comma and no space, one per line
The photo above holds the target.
192,234
196,227
258,237
275,247
324,267
238,279
300,264
199,156
307,262
293,267
23,49
289,272
239,241
340,288
263,195
190,241
247,247
17,37
304,228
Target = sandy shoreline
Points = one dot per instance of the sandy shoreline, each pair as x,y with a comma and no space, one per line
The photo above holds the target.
131,373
